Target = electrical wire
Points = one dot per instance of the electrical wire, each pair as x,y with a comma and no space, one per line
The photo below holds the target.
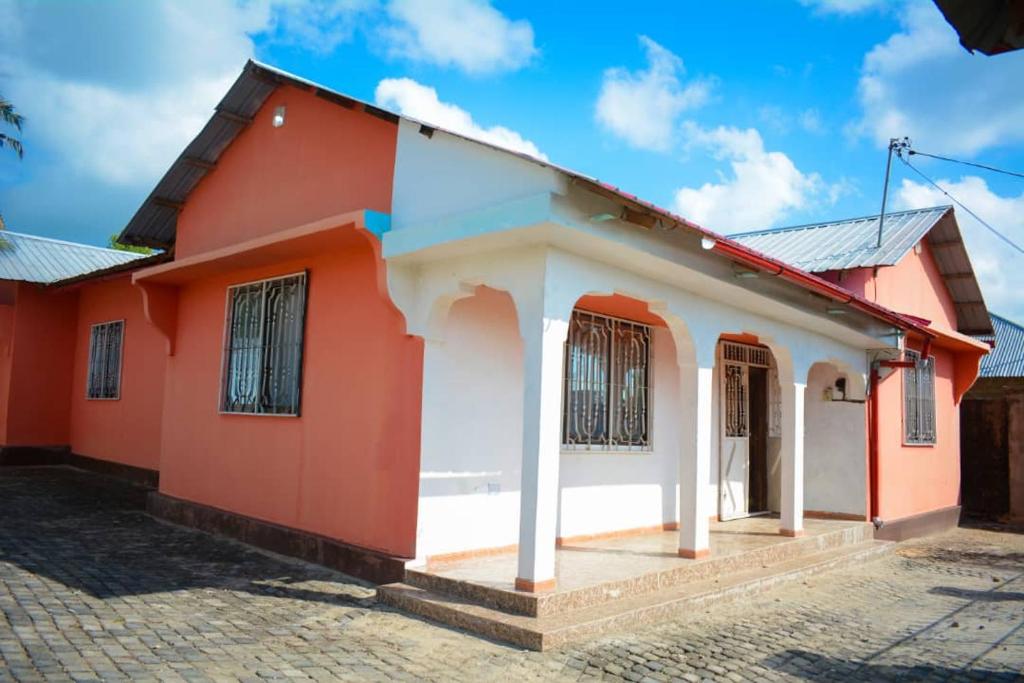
956,201
968,163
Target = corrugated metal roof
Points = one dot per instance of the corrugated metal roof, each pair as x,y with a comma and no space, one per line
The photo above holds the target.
846,244
29,258
1007,358
155,223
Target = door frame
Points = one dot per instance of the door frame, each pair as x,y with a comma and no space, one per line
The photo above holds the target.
747,356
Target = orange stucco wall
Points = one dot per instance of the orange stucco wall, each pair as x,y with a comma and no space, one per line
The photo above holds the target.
917,479
912,286
324,160
6,352
348,466
126,430
38,405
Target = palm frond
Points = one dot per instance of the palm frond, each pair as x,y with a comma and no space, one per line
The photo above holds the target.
9,116
14,144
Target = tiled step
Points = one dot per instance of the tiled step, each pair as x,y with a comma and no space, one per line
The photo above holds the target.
550,604
626,613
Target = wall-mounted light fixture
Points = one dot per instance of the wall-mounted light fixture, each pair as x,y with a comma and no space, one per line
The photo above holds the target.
835,310
708,243
278,119
603,217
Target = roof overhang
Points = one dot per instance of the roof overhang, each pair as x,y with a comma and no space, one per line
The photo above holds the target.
155,223
991,27
954,265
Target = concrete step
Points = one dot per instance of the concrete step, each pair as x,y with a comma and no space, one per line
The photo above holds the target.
623,614
550,604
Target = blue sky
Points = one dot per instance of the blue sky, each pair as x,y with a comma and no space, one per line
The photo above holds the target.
739,115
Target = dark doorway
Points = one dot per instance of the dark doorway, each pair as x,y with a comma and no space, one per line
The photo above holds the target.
984,457
757,492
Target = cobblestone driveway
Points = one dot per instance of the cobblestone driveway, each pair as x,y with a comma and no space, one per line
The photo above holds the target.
93,589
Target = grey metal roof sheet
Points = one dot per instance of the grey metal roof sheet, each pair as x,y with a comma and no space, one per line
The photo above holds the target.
155,223
840,245
846,244
29,258
1007,358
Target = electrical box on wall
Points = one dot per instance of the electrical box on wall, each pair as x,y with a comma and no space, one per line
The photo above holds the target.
836,392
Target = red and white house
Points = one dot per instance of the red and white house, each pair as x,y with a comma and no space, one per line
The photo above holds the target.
373,342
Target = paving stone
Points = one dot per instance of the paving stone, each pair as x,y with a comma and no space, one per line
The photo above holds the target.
93,589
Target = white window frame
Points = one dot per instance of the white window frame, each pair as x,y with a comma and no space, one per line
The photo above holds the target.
120,361
226,344
926,365
612,447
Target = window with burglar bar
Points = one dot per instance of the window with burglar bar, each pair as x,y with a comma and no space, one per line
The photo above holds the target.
105,342
919,400
263,346
606,400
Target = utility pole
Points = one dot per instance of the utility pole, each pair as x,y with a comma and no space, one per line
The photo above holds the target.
895,145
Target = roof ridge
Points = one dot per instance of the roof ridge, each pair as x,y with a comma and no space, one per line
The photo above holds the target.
825,224
69,243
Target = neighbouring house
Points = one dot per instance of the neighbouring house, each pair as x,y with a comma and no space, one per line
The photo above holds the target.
918,266
992,438
385,344
70,320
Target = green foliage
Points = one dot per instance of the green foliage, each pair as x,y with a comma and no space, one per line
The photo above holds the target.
12,118
114,244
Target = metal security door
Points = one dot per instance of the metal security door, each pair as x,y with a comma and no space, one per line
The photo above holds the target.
734,454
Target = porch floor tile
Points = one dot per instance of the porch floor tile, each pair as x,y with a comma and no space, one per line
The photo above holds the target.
590,563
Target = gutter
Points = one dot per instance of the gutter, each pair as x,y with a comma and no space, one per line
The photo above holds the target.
748,257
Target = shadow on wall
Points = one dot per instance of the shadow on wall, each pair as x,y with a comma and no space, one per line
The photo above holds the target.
90,533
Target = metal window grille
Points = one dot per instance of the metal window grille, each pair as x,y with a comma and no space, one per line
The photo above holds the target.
607,383
737,423
919,400
263,351
745,353
105,342
774,401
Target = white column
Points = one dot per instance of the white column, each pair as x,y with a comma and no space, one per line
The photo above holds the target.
695,461
543,358
792,522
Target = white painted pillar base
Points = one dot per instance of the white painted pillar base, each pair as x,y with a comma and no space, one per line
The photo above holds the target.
543,358
792,521
695,463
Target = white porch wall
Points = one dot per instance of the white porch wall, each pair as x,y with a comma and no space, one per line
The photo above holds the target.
472,430
603,492
443,175
835,469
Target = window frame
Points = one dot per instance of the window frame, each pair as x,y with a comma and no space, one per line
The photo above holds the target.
919,361
609,449
120,361
226,342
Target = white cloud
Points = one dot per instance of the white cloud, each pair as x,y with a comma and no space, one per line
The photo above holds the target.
468,34
119,102
115,103
421,102
318,26
921,83
763,188
999,268
845,7
810,121
642,107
